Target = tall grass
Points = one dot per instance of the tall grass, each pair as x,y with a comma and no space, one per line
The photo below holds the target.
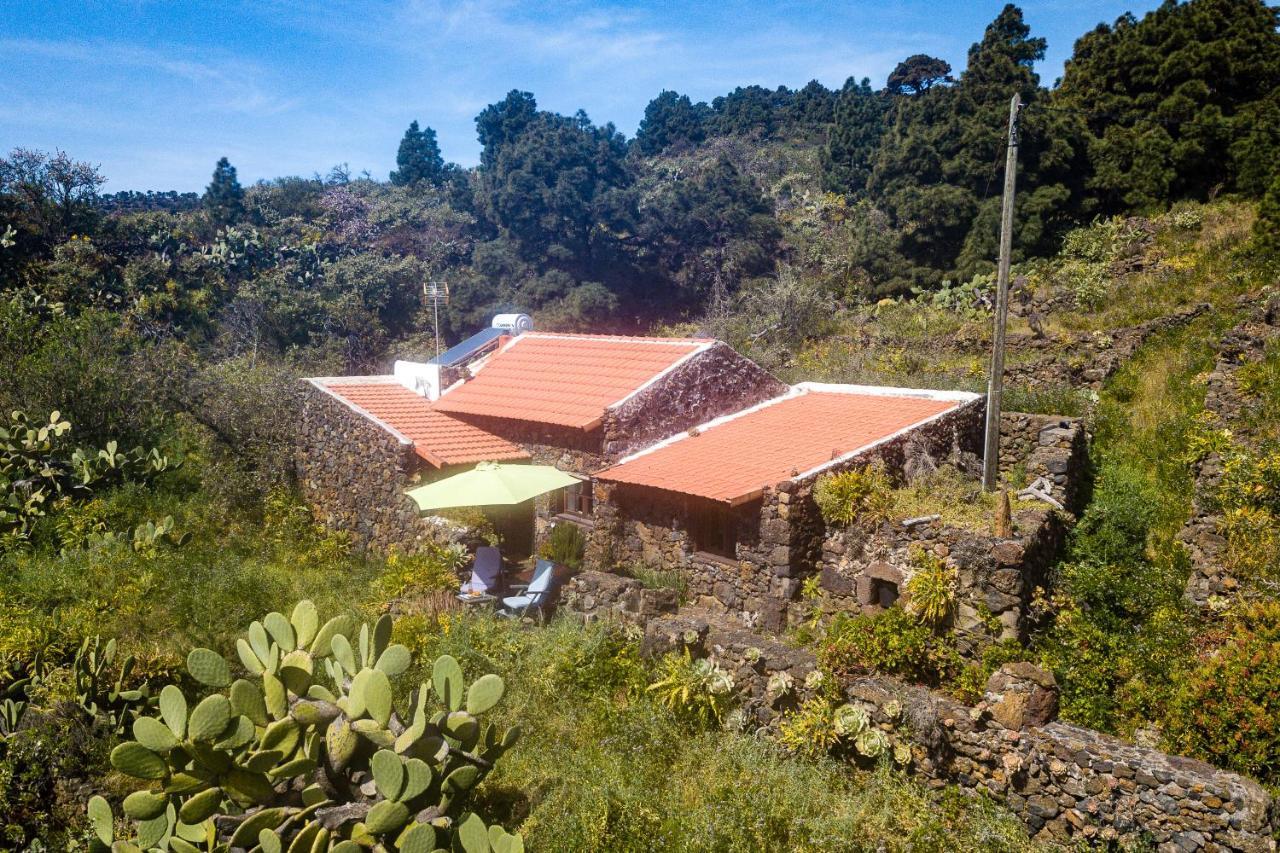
1122,635
603,767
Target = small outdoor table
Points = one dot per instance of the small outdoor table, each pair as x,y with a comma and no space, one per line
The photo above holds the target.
474,600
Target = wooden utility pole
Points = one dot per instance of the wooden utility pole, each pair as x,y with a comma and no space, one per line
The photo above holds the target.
991,453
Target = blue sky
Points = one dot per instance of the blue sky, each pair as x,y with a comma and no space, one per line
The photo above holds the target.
154,91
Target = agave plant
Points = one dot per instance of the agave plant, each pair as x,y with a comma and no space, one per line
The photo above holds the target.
308,751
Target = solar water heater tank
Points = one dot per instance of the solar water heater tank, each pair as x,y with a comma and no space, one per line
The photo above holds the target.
515,323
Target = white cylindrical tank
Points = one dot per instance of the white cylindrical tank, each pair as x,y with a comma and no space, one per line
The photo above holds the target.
517,323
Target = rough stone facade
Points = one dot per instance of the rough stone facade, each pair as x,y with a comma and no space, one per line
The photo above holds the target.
997,579
710,384
1065,782
595,595
353,473
1048,446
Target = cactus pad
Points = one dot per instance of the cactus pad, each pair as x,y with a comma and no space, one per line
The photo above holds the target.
484,694
417,778
446,678
320,646
173,708
134,759
280,630
201,806
101,819
305,620
248,658
209,718
153,734
418,838
386,816
208,667
377,696
394,660
388,774
145,805
473,835
247,700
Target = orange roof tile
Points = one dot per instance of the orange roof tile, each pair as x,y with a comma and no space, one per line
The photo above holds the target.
734,458
437,438
567,380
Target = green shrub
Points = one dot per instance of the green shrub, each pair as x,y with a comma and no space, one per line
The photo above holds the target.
1227,709
931,591
697,690
858,494
891,642
565,544
655,577
41,769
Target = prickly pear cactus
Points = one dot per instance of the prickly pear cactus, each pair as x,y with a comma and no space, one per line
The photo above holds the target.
307,751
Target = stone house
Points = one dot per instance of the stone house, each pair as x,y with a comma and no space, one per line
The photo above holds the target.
730,501
578,402
691,457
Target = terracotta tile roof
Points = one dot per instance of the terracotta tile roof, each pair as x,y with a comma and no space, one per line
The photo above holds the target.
567,380
437,437
734,458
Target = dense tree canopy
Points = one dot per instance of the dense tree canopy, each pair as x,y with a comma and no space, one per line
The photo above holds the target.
917,74
566,218
1164,97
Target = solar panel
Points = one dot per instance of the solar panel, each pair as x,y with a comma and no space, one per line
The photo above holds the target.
459,353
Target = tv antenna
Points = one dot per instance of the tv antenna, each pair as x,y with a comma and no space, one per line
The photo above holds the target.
437,293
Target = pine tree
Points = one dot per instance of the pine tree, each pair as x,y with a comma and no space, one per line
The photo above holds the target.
1266,228
1166,95
855,135
418,159
224,197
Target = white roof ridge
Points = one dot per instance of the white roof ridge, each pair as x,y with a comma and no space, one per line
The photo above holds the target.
635,339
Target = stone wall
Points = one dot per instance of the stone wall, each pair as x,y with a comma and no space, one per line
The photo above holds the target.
1063,781
712,383
600,595
996,578
1048,446
1091,358
353,472
1211,576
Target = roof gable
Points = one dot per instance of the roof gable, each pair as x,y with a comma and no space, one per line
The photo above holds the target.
566,380
436,437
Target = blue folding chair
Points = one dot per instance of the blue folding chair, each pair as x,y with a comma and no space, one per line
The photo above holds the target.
536,593
486,574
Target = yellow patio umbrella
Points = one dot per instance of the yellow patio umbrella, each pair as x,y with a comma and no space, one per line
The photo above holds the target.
491,484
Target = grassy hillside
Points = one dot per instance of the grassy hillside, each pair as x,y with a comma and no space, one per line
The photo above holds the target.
604,765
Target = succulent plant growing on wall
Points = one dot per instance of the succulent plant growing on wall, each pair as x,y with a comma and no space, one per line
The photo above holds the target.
308,751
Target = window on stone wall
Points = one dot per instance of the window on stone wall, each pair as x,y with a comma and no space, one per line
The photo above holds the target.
883,592
714,530
575,500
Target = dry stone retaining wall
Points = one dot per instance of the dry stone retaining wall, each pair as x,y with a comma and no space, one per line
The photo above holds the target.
1065,782
1245,344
